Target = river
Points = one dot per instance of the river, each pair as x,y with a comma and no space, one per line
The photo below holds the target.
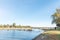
19,35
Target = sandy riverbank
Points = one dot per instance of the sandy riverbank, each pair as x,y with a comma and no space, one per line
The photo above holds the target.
15,29
49,35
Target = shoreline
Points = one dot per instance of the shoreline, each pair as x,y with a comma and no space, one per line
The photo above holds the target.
39,37
48,35
29,29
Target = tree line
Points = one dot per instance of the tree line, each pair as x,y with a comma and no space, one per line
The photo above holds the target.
13,26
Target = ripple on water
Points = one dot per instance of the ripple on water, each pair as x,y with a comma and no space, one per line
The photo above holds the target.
18,35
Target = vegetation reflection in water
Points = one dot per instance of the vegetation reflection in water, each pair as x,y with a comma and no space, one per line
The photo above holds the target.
18,35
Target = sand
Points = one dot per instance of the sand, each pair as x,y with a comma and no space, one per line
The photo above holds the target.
48,35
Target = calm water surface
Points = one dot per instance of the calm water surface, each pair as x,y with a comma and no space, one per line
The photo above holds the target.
19,35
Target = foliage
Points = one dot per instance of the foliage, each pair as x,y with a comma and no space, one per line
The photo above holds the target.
56,18
14,26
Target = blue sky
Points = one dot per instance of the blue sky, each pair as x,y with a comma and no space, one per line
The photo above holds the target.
35,13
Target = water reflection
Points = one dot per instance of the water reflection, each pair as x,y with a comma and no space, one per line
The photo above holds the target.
18,35
13,34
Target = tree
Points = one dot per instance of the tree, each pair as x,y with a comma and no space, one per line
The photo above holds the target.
14,24
56,18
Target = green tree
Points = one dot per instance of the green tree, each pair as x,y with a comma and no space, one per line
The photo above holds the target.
56,17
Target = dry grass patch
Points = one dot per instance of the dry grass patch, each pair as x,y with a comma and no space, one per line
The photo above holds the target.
52,32
54,35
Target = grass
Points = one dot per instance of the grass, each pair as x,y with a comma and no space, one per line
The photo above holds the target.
53,34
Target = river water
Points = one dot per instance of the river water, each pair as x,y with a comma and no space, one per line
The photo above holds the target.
19,35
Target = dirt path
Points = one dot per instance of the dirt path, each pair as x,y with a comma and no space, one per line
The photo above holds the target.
49,35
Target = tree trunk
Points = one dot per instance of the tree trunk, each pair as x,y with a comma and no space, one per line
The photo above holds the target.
58,25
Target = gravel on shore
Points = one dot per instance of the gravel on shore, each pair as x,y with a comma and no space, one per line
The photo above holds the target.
40,37
48,36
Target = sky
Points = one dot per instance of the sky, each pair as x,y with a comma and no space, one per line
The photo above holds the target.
36,13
